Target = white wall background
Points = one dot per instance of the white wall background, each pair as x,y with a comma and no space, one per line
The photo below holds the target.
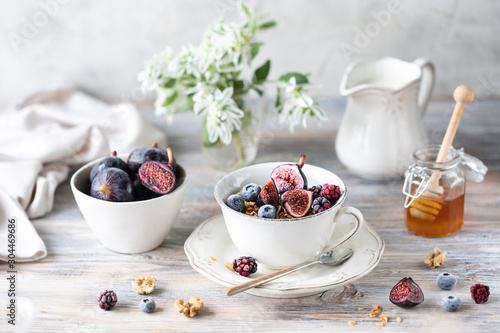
99,46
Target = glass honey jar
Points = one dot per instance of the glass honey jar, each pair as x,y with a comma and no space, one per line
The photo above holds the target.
435,191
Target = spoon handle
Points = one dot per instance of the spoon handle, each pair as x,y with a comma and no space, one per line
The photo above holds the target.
264,279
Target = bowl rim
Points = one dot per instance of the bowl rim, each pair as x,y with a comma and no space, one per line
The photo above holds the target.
121,156
225,207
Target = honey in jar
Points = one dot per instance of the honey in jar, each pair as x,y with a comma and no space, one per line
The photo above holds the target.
437,191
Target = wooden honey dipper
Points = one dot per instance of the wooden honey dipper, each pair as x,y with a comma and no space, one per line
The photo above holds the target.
428,207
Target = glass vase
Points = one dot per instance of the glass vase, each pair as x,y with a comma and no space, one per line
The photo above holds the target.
243,148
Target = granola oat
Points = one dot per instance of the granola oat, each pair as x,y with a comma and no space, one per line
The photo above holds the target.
398,319
144,284
435,258
229,265
352,322
189,309
379,323
384,318
212,258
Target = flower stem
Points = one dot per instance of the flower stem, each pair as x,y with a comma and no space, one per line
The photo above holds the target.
239,149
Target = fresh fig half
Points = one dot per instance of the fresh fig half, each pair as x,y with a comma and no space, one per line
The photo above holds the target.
111,161
297,202
141,155
406,293
268,195
157,177
289,177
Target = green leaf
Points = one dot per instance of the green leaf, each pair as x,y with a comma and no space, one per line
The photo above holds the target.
170,99
245,9
267,25
261,73
170,83
254,49
257,90
278,98
299,78
239,87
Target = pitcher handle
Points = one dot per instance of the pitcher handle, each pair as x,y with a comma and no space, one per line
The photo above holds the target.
427,85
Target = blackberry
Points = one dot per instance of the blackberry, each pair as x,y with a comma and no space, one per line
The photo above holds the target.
107,299
331,192
480,293
316,190
245,266
320,204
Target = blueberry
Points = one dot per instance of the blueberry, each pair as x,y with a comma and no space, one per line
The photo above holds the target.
236,202
451,303
446,281
147,305
249,192
267,212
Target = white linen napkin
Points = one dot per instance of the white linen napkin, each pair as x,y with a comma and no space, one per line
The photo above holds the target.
40,142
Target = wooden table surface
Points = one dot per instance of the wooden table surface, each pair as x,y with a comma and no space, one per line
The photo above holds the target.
62,288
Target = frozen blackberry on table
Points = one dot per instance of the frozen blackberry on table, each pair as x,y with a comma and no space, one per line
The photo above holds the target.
245,266
147,305
320,204
249,192
451,303
267,212
331,192
107,299
480,293
446,281
236,202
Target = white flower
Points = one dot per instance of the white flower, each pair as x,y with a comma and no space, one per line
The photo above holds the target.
155,71
223,116
296,105
202,98
170,101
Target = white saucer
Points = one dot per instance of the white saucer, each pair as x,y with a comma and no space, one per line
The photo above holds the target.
212,239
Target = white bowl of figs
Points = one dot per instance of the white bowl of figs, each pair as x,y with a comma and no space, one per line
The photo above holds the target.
131,201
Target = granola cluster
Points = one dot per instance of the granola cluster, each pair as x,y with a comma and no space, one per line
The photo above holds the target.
144,284
435,258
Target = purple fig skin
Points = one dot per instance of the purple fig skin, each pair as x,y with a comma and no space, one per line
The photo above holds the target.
406,293
289,177
111,161
112,184
297,203
268,195
140,156
157,177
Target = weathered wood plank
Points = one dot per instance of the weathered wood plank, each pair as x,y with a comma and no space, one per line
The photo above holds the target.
64,285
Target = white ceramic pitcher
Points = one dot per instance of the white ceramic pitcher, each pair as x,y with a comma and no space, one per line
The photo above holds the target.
383,120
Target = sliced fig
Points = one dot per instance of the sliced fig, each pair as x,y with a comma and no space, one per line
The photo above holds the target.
289,177
111,161
141,192
157,177
297,202
112,184
268,195
406,293
141,155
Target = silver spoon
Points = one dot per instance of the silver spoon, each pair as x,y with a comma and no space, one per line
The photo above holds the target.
331,258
